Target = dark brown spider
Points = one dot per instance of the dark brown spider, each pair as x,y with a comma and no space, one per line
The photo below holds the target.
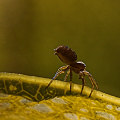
69,57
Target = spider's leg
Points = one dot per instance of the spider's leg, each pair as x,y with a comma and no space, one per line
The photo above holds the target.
83,81
95,84
70,80
62,68
56,75
90,76
60,71
92,86
92,81
83,84
68,72
81,76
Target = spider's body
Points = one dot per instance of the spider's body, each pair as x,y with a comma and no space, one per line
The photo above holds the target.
69,57
77,67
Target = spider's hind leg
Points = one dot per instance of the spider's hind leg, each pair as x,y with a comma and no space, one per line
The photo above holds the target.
68,72
60,71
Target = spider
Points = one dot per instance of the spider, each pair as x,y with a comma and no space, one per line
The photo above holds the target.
69,57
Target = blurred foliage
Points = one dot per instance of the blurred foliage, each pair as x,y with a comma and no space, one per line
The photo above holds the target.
30,30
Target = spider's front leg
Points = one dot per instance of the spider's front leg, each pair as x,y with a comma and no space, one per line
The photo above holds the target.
70,80
60,71
93,82
81,76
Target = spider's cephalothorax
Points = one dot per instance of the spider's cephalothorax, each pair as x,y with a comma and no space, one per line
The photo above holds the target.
69,57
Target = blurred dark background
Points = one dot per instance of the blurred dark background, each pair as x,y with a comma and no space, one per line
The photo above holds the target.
31,29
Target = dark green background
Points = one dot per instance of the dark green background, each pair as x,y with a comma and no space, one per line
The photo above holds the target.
31,29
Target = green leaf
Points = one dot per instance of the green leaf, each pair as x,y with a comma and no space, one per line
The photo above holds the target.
25,97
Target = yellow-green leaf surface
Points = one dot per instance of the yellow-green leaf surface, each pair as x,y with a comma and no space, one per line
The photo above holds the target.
24,97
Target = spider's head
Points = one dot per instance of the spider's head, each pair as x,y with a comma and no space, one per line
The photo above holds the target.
66,54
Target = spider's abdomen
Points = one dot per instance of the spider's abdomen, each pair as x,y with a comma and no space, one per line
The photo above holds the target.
66,54
77,67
